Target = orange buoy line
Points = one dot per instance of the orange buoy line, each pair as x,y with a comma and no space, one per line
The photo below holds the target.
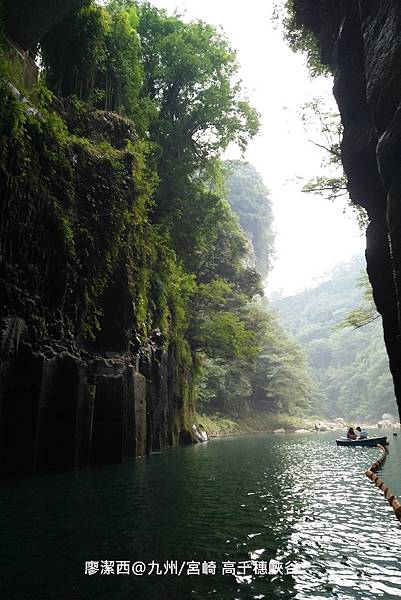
373,476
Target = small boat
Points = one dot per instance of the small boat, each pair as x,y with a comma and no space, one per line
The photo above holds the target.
370,441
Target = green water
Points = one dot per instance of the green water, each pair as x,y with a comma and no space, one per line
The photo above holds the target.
295,499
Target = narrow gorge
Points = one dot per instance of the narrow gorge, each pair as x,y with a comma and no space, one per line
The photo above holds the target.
99,289
360,41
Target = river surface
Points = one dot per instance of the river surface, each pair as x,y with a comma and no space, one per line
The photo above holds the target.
285,516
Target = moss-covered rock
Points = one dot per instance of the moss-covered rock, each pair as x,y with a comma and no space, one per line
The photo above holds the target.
84,278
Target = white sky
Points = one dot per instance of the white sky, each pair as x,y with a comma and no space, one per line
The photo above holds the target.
312,234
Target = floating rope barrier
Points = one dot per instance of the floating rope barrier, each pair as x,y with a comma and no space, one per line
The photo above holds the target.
373,476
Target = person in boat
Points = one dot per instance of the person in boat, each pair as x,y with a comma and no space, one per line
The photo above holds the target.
362,433
351,435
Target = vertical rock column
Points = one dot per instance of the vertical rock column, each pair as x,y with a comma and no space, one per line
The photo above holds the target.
108,420
61,394
21,386
140,415
136,414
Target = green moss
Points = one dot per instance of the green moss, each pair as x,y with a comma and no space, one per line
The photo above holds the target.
217,425
11,69
84,203
185,417
76,201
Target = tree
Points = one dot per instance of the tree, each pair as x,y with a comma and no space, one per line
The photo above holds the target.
323,123
225,387
275,379
217,327
249,198
366,311
74,50
191,75
282,382
298,37
94,55
185,254
349,362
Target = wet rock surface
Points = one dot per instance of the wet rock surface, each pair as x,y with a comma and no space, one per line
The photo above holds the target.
60,411
361,41
84,378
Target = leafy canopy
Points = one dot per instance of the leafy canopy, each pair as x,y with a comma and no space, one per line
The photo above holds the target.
298,37
249,198
187,252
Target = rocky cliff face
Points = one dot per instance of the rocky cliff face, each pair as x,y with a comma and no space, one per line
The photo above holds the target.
26,22
85,374
65,411
361,41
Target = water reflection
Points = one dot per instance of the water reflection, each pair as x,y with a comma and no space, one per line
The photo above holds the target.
291,501
347,542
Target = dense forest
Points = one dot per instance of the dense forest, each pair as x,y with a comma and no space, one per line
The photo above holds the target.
276,379
249,199
350,363
118,240
132,256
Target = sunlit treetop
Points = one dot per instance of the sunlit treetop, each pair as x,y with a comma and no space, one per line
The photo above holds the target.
191,73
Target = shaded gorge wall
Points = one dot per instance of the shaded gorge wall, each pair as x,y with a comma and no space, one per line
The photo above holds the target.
360,41
88,374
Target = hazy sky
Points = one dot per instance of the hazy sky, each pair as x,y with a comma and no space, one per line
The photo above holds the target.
312,235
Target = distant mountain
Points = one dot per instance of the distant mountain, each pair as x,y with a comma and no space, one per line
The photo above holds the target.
249,198
276,380
350,365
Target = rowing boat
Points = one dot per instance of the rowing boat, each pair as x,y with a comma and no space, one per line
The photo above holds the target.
370,441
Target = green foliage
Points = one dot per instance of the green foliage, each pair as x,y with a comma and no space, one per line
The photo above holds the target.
323,124
177,81
190,76
331,187
74,50
218,327
104,214
172,287
268,372
189,70
282,382
123,72
94,54
366,311
298,37
351,366
249,198
213,245
224,334
79,210
11,70
218,425
123,192
275,379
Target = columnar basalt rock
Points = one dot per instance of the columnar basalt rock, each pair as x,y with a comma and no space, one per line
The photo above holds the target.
361,41
64,412
81,379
